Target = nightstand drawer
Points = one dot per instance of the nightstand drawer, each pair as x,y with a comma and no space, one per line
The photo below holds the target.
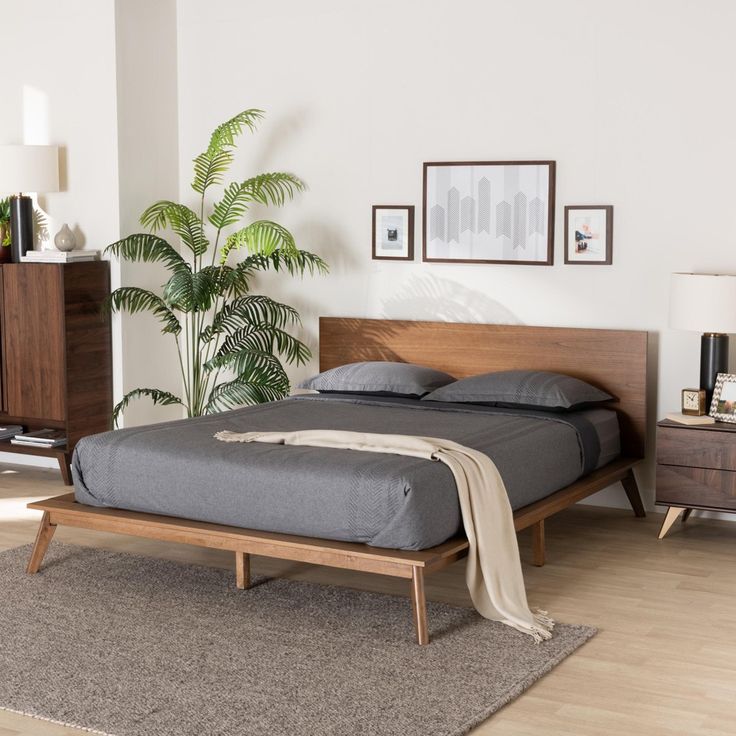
696,448
693,487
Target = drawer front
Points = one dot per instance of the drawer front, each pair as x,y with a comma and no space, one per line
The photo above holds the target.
680,486
696,448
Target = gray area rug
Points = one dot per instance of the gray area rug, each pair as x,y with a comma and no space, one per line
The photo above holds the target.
134,646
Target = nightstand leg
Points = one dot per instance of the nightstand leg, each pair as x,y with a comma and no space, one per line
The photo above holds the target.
673,513
686,515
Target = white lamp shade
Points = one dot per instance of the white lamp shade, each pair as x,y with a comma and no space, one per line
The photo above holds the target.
703,302
29,169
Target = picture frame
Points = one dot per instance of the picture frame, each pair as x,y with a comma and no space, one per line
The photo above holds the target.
499,212
393,232
589,234
723,403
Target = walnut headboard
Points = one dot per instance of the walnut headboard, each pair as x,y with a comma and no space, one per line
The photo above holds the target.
613,360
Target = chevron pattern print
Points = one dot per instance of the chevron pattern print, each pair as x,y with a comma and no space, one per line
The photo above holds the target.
489,212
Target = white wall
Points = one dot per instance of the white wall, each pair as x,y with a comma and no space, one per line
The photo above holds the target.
148,162
58,61
630,98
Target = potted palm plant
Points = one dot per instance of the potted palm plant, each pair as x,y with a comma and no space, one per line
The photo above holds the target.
232,344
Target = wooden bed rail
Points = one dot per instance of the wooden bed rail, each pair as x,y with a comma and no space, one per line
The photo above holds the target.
408,564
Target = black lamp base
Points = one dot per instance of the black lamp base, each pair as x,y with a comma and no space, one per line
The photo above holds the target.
21,226
713,360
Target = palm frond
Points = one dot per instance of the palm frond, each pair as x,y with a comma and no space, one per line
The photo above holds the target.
210,168
149,248
264,339
246,363
162,398
262,237
192,292
268,189
224,135
133,299
182,220
238,392
298,262
252,309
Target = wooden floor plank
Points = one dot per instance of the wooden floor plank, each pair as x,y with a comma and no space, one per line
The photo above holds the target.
664,663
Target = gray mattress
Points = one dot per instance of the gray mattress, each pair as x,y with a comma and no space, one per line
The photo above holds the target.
179,469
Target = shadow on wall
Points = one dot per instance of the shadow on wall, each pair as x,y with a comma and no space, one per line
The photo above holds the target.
271,135
429,297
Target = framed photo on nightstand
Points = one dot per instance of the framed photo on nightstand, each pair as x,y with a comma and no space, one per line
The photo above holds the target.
723,404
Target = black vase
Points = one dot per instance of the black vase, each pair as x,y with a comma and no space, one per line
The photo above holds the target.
21,226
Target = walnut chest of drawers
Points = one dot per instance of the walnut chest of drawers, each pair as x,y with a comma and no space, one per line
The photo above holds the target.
696,469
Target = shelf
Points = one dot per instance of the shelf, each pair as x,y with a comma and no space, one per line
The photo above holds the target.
6,446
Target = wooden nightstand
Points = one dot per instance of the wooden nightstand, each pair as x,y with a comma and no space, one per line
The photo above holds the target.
696,469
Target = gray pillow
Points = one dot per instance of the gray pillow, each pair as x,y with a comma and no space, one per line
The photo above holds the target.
522,389
379,377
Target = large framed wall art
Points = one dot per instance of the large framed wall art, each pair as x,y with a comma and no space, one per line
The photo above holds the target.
489,212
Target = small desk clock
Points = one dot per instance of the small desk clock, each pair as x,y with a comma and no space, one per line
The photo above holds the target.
693,402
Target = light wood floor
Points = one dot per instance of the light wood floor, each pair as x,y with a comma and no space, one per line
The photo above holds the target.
663,663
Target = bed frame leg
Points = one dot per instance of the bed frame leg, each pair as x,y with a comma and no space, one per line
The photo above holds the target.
242,570
419,605
538,543
632,491
43,538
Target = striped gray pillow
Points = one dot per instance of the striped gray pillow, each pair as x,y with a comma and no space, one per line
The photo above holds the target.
379,377
522,389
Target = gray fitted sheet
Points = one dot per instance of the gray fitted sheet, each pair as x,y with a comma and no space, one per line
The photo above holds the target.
179,469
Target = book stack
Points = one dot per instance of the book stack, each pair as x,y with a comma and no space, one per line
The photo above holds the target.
9,431
59,256
40,438
690,419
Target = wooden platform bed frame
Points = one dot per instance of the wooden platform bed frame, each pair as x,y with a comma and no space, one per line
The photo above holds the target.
614,360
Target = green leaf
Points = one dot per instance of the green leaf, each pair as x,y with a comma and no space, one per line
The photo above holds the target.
224,135
238,392
262,237
182,220
210,168
162,398
248,364
192,292
147,247
133,299
268,189
260,339
253,309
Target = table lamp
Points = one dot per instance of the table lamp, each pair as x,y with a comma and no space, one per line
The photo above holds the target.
26,169
705,303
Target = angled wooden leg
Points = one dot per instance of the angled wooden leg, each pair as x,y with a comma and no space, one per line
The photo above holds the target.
43,537
686,515
670,518
632,491
242,570
538,543
419,605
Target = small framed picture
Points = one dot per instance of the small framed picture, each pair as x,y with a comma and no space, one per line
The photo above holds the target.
723,404
589,234
393,232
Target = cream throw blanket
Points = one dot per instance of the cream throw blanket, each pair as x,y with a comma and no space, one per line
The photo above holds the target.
493,575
